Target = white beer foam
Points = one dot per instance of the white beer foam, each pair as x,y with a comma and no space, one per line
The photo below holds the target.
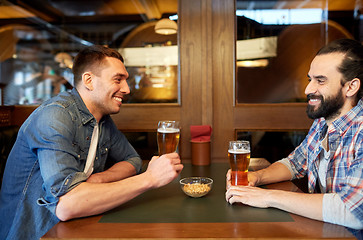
238,151
168,130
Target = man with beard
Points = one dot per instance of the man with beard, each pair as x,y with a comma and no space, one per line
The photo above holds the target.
70,160
331,154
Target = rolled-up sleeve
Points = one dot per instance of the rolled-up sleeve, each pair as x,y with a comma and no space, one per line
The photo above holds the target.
335,211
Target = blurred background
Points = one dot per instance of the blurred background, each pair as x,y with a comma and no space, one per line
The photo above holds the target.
179,66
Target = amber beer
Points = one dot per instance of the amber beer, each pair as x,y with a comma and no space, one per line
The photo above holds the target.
168,139
239,159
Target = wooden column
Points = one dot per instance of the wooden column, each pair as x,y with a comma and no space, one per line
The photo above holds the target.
206,42
223,71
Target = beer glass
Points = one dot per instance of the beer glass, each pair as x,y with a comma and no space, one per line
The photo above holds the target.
239,160
168,136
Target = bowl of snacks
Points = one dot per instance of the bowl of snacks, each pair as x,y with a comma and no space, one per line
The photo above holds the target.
196,186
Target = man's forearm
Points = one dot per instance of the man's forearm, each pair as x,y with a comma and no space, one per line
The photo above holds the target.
304,204
119,171
276,172
94,198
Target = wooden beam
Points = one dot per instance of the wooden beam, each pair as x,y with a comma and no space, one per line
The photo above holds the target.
48,17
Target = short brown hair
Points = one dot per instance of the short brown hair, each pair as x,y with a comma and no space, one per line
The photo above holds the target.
91,58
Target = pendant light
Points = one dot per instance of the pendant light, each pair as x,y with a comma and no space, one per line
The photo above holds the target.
165,26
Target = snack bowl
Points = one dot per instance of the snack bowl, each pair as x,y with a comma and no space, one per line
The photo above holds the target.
196,186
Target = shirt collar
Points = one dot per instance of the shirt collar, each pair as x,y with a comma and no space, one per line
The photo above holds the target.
345,121
342,123
83,110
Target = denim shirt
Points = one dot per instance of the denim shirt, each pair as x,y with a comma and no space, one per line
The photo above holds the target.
48,159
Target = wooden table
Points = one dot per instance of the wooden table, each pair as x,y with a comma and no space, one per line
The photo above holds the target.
166,213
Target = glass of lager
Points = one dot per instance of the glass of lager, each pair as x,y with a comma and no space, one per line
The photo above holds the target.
239,160
168,136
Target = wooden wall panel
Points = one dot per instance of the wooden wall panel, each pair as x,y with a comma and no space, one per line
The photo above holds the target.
223,75
20,114
145,117
207,55
289,116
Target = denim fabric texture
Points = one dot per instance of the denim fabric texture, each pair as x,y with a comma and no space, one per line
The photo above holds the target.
48,159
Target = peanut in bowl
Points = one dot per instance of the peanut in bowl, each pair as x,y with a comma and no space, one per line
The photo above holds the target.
196,186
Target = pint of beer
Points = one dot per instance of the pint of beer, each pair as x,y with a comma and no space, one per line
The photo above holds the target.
168,136
239,160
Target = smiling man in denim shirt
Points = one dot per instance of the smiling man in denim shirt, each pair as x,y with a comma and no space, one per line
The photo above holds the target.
331,154
45,180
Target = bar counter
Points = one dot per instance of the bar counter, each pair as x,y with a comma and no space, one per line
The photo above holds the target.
167,213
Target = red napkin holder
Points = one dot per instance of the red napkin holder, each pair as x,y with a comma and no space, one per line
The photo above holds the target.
200,144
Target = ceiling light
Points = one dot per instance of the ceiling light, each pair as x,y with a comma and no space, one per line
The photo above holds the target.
64,59
166,26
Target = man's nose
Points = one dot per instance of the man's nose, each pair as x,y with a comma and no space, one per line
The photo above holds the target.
310,88
125,87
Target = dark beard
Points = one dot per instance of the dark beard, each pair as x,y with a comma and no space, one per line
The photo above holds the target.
329,107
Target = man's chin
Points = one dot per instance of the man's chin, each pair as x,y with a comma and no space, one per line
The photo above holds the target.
312,112
115,110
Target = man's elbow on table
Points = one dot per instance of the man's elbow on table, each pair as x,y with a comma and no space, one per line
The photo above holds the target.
65,211
69,205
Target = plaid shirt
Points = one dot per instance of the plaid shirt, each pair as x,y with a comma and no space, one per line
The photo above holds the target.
345,169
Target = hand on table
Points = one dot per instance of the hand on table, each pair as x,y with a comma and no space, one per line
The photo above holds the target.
249,195
252,196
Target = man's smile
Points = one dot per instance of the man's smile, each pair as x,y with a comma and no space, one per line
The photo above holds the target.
314,100
119,99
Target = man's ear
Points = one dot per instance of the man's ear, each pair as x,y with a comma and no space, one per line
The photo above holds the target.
87,79
353,87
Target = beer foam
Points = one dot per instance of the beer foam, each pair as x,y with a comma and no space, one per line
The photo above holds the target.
238,151
168,130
